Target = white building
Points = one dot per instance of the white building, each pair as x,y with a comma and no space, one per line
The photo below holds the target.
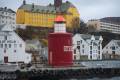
7,16
87,47
12,47
105,25
112,50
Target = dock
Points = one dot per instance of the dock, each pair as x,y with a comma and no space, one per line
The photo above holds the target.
60,73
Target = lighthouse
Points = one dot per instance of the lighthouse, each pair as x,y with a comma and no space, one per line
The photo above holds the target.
60,45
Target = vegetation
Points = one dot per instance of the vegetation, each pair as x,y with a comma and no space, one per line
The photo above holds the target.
79,26
34,33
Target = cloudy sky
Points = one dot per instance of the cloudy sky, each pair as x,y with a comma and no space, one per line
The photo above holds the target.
89,9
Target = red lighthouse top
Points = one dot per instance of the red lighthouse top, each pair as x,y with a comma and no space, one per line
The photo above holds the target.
60,19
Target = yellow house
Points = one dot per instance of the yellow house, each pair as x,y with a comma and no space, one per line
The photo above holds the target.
43,16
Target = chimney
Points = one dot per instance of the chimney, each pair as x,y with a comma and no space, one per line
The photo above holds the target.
5,8
24,2
32,5
57,3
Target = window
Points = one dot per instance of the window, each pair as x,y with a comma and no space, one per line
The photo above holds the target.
90,56
98,56
5,45
78,42
91,43
113,52
83,50
9,45
98,47
74,51
1,45
5,51
15,51
15,45
106,47
106,51
20,45
113,47
82,46
74,57
90,52
98,52
14,41
2,21
5,37
78,47
81,41
90,47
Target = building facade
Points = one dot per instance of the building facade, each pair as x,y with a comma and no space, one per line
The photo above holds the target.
7,16
106,24
12,47
112,50
87,47
44,16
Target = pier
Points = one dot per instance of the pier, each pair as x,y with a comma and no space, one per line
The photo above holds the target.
60,73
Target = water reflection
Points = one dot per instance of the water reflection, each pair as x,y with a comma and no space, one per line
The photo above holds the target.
113,78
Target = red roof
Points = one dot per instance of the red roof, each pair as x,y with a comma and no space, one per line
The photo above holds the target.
59,19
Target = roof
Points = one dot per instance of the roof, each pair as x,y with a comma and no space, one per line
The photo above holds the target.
88,36
6,27
5,9
117,42
59,19
49,9
113,20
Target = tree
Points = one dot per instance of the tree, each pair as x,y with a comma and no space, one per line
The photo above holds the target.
83,27
76,24
91,28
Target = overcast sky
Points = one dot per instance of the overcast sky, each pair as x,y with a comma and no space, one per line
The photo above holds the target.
89,9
